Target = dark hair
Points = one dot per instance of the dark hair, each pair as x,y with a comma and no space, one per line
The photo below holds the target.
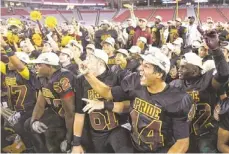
157,69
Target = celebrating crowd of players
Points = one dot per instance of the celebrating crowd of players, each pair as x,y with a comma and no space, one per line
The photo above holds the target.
141,88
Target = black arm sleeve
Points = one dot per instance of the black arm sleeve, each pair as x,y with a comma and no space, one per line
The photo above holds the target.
221,66
180,119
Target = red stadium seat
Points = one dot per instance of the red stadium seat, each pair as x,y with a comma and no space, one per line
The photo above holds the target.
182,13
211,12
225,11
166,14
122,17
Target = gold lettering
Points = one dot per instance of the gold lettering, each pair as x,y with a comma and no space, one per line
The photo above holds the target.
47,93
11,81
147,108
92,94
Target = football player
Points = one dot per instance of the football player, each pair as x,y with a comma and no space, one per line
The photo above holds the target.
105,125
57,94
202,87
22,89
160,122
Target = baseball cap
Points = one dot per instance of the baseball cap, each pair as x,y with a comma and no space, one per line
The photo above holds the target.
109,40
48,58
178,41
135,49
101,54
75,43
209,20
196,44
123,51
67,51
105,22
178,19
23,56
143,39
159,17
193,59
156,57
170,21
91,46
143,19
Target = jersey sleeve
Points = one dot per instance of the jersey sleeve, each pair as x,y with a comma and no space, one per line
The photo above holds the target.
79,104
124,91
3,67
25,73
181,118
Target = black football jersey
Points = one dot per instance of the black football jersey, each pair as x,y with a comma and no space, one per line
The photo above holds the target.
205,98
73,68
60,84
157,119
22,93
101,120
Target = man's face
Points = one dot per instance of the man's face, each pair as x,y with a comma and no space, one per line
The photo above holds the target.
178,23
89,51
71,29
191,21
92,63
47,48
210,24
173,72
157,21
147,74
42,70
104,26
142,24
186,70
129,22
64,27
120,59
107,47
64,58
202,52
24,47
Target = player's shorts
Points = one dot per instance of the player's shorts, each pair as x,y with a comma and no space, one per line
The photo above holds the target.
117,140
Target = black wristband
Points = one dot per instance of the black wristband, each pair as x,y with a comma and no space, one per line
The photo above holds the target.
108,105
9,51
76,141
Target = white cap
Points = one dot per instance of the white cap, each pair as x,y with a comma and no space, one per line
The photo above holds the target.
101,54
178,41
75,43
123,51
143,19
170,21
23,56
159,17
196,44
109,40
135,49
209,19
67,51
143,39
226,47
105,22
156,57
193,59
48,58
208,65
178,19
22,43
91,46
